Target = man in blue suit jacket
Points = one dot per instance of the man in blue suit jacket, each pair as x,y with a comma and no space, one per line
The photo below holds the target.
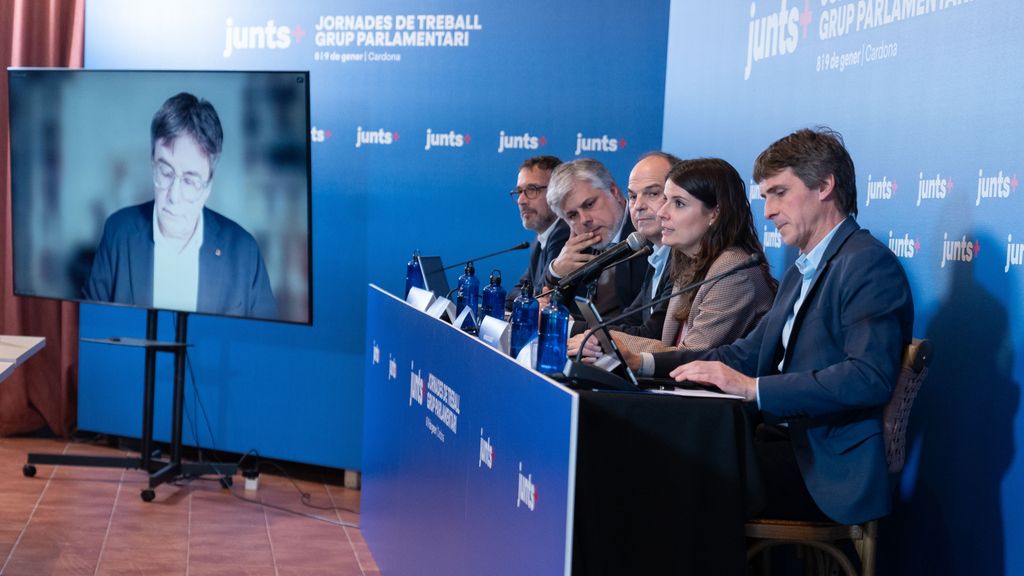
173,252
822,363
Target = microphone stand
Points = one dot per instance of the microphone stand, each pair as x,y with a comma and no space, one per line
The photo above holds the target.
754,260
644,252
520,246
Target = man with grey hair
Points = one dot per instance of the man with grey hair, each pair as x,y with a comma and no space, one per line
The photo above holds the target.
646,193
585,195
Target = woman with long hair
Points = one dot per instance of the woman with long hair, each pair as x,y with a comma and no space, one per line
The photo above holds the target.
706,220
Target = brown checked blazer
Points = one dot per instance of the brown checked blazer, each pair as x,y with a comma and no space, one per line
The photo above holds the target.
721,312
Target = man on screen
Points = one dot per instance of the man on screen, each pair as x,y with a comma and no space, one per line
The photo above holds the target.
822,363
192,259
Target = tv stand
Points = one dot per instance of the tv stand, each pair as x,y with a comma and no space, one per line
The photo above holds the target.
160,471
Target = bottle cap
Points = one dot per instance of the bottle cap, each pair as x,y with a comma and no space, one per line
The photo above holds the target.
556,296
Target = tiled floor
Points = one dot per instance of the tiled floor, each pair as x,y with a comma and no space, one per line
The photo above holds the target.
82,520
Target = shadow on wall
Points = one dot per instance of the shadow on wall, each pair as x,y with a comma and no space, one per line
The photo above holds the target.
948,518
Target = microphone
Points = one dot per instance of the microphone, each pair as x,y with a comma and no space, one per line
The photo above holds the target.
520,246
754,259
588,271
643,252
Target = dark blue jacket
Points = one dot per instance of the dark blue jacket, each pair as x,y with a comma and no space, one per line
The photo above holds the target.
838,372
232,276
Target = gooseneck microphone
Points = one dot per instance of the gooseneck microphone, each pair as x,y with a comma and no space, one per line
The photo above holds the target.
520,246
754,259
643,252
591,269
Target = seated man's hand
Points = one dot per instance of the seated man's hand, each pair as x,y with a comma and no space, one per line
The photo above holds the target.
572,256
719,375
591,351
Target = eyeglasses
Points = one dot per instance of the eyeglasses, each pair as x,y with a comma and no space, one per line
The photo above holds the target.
530,191
192,186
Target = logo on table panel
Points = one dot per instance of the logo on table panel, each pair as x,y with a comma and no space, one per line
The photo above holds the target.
933,188
772,238
266,36
602,143
775,33
1014,253
962,250
379,136
524,141
443,402
905,246
527,490
450,139
880,189
486,451
318,134
995,186
416,384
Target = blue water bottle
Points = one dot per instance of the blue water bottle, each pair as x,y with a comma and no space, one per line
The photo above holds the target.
413,274
492,300
525,311
552,341
469,295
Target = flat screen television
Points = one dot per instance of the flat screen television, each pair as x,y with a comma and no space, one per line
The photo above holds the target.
187,191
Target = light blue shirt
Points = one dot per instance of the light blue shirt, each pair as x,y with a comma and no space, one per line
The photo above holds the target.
807,265
658,260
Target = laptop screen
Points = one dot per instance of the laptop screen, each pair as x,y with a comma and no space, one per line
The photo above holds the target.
434,276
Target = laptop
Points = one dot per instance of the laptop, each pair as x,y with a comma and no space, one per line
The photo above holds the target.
435,278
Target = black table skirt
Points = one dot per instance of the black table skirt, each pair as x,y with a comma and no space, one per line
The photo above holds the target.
664,484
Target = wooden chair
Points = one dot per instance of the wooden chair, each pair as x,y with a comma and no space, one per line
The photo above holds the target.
823,536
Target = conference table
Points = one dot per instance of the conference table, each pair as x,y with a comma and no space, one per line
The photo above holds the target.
473,464
664,484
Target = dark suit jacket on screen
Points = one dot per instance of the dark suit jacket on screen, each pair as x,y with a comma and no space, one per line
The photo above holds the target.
232,277
838,371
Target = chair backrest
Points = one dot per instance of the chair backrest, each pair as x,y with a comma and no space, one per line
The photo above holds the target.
913,370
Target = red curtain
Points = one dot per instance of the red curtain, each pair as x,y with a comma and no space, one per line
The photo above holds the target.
44,390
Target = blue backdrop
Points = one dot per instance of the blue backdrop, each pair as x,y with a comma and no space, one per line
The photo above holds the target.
924,91
383,75
928,98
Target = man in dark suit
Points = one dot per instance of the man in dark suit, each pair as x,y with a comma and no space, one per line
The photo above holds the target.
173,252
822,363
585,195
530,195
646,197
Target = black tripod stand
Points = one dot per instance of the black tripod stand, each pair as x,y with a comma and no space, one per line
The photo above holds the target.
160,471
